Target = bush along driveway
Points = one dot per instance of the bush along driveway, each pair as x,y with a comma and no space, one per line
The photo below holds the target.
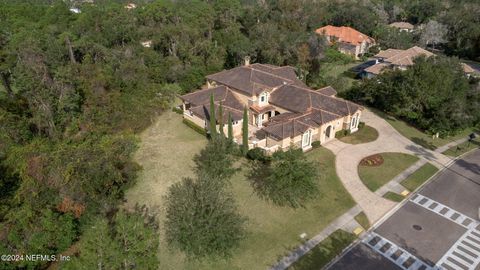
389,140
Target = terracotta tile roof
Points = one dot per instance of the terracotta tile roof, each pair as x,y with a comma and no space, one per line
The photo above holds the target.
329,91
297,99
203,96
345,34
256,78
388,53
287,129
402,25
203,111
297,124
200,102
263,109
377,68
307,108
397,58
406,57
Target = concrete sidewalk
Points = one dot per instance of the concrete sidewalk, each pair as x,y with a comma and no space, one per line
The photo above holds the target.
343,221
389,140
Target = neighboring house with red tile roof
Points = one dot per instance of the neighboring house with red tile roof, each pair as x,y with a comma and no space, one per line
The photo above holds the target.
282,110
348,40
395,59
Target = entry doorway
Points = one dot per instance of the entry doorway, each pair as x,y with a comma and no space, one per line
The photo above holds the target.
328,132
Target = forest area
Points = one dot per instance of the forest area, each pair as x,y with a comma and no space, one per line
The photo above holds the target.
77,88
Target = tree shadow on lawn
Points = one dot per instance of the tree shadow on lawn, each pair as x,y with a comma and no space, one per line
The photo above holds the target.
424,143
419,151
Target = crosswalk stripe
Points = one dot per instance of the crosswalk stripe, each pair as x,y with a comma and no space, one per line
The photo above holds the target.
415,265
471,246
468,250
466,255
450,214
457,263
449,267
473,240
477,234
400,260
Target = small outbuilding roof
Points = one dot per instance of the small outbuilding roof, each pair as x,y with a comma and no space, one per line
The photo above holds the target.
402,25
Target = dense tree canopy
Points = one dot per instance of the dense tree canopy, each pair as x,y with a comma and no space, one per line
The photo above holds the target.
125,243
202,218
434,95
287,179
76,87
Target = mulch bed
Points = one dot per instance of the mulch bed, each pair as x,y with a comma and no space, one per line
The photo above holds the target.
372,161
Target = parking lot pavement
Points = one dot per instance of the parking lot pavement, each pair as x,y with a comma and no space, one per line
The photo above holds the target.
438,228
362,257
458,186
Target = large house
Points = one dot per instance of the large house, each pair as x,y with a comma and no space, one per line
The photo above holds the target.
395,59
282,110
348,40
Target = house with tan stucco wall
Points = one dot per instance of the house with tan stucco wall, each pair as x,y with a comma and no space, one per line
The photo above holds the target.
282,110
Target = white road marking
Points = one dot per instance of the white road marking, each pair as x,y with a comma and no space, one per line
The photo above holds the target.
465,252
460,218
400,260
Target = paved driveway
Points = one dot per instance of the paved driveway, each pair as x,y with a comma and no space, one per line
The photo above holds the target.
389,140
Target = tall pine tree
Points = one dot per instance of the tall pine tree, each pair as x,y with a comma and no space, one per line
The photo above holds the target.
213,120
220,120
245,131
230,128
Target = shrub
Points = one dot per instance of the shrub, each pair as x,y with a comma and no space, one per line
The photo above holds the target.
361,125
195,127
341,133
215,160
316,144
332,55
257,154
177,110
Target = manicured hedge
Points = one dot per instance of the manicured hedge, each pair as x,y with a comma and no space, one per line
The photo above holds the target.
195,127
341,133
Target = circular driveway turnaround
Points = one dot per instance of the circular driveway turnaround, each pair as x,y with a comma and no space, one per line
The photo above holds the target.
389,140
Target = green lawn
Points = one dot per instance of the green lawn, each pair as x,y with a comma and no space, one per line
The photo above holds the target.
324,252
462,148
418,136
165,153
363,135
419,177
394,163
337,70
362,219
392,196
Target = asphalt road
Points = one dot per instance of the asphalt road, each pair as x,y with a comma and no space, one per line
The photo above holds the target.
438,228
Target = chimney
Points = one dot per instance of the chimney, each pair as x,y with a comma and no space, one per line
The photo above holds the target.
246,61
